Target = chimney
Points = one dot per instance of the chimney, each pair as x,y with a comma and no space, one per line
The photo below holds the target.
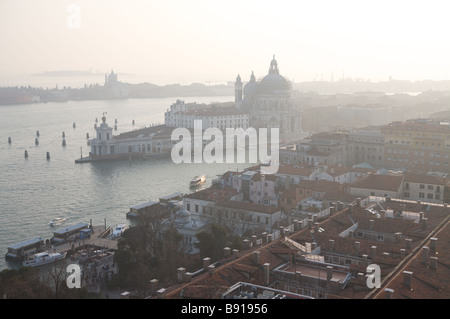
235,252
206,262
211,269
389,293
357,246
388,199
425,253
373,251
350,234
247,243
161,293
226,252
266,273
269,238
256,257
180,273
313,246
254,240
424,222
358,202
398,236
402,253
332,210
407,279
433,263
188,277
331,242
408,242
153,286
125,295
298,276
433,244
371,223
420,217
264,237
329,273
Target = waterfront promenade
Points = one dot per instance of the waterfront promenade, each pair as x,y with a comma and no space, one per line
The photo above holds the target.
94,240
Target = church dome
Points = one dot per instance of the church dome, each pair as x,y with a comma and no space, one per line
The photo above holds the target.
273,82
182,216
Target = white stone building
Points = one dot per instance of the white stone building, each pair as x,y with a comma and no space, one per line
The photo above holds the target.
221,116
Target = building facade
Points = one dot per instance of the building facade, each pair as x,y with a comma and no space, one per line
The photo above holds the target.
221,116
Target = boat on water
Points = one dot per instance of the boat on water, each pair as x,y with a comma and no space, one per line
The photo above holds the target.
118,230
57,221
44,258
197,181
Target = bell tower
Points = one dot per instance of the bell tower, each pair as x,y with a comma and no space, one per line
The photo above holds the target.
238,90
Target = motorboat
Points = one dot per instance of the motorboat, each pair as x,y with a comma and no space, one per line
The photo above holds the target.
197,181
57,221
44,258
118,230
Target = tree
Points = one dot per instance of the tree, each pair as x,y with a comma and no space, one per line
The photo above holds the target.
212,242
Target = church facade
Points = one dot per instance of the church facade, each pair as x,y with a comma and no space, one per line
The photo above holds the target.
269,103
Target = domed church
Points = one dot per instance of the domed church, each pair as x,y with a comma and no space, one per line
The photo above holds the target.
269,102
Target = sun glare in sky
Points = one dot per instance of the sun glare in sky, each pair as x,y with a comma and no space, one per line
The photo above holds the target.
194,41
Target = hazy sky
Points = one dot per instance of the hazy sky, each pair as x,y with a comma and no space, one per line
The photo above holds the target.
184,41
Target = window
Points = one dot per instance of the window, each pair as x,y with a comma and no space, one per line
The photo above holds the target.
421,195
430,196
188,207
430,187
406,195
422,186
380,237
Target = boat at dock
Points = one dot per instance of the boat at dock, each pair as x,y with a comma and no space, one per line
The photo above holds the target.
57,221
44,258
197,181
118,230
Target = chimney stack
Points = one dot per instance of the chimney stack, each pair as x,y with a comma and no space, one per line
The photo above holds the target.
357,246
433,263
180,273
408,242
266,273
433,244
211,269
188,277
424,222
407,279
371,223
256,256
154,286
206,262
161,293
373,251
226,252
329,273
425,253
388,293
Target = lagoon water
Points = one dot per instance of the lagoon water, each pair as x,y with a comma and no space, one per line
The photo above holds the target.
35,190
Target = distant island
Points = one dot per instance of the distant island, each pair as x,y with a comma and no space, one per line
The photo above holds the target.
112,88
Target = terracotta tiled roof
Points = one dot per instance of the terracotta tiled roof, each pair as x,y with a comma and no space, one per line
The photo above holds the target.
424,179
379,182
296,170
248,206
